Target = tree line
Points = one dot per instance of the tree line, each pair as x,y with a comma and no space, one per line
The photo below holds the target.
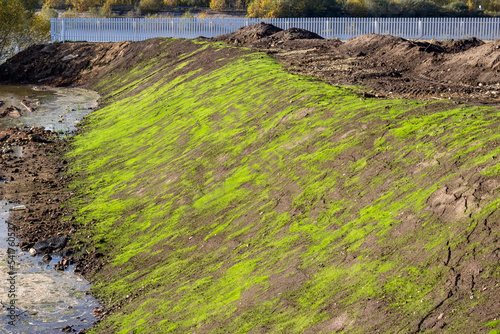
373,8
21,27
304,8
23,24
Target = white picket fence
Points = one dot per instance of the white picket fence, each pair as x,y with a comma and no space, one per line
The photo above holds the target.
137,29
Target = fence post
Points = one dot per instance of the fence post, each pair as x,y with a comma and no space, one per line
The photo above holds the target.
99,30
135,31
62,30
377,30
420,29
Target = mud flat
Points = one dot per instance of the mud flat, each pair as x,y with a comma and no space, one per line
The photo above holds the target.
46,300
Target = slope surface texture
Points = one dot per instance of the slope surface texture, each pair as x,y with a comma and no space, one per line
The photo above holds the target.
229,196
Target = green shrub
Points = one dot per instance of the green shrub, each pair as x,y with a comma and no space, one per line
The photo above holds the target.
150,6
48,13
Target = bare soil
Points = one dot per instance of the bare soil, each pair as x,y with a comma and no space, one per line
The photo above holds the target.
385,66
38,180
376,66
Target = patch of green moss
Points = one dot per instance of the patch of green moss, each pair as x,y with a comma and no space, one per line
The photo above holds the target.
210,187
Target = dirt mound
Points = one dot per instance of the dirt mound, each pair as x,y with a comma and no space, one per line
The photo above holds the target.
466,70
249,34
265,35
60,64
460,45
296,33
371,43
284,36
477,67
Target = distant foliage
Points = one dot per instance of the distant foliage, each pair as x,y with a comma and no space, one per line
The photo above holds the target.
150,6
81,5
373,8
136,12
187,15
169,3
106,9
54,3
356,8
71,13
418,8
48,13
264,9
217,4
456,9
20,27
317,8
203,15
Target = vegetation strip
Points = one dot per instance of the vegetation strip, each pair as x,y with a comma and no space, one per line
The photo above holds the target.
230,196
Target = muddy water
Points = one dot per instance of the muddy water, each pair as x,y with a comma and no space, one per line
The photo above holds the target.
35,298
56,109
46,300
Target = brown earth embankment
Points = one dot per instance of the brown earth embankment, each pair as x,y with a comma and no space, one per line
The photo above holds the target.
383,66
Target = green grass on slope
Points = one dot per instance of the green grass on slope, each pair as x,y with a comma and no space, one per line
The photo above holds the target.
249,199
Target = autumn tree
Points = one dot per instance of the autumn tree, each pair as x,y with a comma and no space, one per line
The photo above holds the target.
169,3
81,5
217,4
264,9
54,3
20,27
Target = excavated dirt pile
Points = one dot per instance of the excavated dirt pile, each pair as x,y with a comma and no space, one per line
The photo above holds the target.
468,70
383,66
246,35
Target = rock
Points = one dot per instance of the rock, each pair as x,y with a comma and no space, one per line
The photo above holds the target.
47,258
35,138
12,112
59,266
63,264
50,245
32,252
67,329
69,57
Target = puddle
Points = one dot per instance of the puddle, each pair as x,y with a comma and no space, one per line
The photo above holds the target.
56,109
46,300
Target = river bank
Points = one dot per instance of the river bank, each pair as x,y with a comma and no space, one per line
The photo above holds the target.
46,295
220,193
